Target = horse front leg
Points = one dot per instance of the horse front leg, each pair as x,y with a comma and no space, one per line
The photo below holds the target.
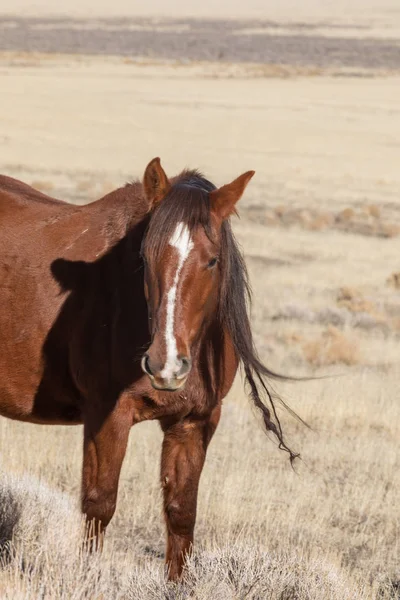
105,440
183,454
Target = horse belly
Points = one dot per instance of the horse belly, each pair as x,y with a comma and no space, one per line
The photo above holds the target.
28,307
33,393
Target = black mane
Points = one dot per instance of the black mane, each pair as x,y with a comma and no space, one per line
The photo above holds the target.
188,202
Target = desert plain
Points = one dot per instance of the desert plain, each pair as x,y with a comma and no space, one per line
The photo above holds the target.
308,97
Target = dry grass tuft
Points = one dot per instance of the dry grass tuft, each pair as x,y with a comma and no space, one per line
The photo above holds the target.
390,230
107,187
365,221
345,215
243,571
373,211
353,300
331,348
35,516
85,185
42,185
394,280
319,222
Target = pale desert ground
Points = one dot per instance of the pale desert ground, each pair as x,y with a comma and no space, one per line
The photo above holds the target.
320,229
375,12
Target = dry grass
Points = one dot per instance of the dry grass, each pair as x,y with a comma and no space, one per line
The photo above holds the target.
354,301
329,530
331,348
43,185
85,185
367,221
394,280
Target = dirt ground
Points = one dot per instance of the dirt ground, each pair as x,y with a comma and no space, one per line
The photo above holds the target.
318,45
370,12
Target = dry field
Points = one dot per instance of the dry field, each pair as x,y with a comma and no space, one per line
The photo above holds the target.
327,531
320,228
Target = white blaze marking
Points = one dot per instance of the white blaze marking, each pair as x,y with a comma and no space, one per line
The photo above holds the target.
182,241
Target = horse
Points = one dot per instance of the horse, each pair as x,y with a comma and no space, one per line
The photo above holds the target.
129,308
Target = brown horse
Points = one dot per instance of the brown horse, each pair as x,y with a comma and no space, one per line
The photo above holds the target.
133,307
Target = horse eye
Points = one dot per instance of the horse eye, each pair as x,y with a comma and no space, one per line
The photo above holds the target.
212,262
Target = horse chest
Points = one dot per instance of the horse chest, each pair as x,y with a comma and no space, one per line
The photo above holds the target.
150,404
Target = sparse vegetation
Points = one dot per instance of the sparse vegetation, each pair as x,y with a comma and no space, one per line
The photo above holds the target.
394,280
366,221
329,529
43,185
332,348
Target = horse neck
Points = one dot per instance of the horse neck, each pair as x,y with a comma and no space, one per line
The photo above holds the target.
130,194
119,211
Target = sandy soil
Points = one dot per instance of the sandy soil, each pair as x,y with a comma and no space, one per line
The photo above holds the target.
343,11
318,138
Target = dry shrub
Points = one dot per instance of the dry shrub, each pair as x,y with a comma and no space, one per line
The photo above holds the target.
353,300
373,211
268,218
289,337
42,185
394,280
280,211
389,230
347,293
107,187
36,516
312,220
345,215
41,532
366,221
305,218
85,185
320,221
240,571
395,324
331,348
337,316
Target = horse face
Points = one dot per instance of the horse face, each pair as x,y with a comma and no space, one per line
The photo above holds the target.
181,291
181,281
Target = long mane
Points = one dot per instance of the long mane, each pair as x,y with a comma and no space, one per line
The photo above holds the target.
188,201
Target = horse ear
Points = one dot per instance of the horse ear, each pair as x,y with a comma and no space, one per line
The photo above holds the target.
223,200
155,182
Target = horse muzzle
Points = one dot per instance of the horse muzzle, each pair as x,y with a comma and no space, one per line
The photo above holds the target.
167,378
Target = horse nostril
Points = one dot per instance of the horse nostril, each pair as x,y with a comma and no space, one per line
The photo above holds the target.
146,364
154,369
185,367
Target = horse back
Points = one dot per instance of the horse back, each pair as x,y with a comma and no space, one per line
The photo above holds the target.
23,193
